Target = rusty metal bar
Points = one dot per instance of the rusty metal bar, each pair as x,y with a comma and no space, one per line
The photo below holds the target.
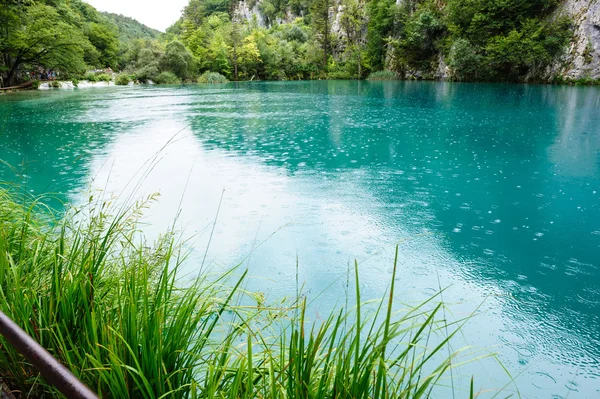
54,372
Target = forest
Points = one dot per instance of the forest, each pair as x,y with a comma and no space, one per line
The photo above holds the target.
472,40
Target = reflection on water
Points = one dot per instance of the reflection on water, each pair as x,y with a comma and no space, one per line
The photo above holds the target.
490,189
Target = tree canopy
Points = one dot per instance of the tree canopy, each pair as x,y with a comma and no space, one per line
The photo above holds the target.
494,40
60,35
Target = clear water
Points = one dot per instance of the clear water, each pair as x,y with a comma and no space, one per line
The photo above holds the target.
490,190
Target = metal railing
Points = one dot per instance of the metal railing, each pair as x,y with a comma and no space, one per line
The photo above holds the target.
50,368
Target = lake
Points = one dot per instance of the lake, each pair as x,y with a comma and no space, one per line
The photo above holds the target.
490,190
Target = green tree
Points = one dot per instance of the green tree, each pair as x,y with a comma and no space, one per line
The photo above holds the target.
145,58
105,40
417,45
480,20
381,15
248,57
516,54
236,40
322,25
353,20
465,61
35,34
178,59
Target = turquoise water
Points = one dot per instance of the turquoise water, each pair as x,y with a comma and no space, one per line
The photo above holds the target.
490,190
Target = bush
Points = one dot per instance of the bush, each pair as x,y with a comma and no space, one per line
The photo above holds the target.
383,75
340,75
91,76
104,77
167,78
294,33
35,84
212,77
123,79
75,81
464,60
581,81
55,84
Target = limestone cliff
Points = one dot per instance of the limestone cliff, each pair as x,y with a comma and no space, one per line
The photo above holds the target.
251,12
582,57
243,11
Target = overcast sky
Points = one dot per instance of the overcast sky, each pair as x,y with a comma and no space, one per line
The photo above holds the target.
153,13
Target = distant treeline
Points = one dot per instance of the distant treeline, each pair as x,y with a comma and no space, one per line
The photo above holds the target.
474,40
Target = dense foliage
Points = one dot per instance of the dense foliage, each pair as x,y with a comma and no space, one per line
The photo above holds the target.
67,36
494,40
478,39
130,29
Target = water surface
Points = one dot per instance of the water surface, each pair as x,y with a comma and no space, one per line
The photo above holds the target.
490,190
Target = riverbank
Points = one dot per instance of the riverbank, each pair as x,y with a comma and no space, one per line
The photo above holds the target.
114,310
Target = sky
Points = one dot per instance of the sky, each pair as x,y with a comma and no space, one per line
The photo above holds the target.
153,13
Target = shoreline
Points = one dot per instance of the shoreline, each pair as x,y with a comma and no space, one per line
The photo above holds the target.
85,84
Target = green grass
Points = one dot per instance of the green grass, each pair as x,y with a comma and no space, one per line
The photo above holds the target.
114,309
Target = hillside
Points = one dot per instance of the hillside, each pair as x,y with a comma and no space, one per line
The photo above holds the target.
471,40
129,28
462,40
68,36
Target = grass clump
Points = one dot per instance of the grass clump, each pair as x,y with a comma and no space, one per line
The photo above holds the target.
113,309
212,77
383,75
123,79
167,78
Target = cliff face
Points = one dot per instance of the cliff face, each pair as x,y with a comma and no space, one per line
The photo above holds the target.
244,12
582,57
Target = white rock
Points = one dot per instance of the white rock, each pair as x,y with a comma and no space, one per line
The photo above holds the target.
582,57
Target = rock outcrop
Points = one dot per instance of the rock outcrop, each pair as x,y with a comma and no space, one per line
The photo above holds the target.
243,11
582,57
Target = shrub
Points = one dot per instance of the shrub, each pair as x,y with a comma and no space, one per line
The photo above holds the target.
35,84
123,79
294,33
340,74
464,60
91,76
581,81
104,77
212,77
55,84
75,81
167,78
383,75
